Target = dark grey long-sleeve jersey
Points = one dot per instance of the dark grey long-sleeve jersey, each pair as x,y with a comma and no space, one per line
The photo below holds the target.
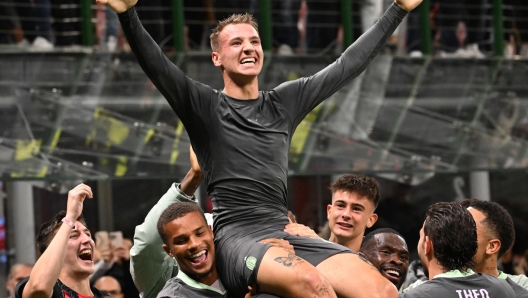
242,145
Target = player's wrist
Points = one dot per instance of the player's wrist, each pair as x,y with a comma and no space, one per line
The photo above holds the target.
188,197
69,221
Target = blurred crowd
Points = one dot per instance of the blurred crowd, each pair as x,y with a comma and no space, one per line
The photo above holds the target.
459,28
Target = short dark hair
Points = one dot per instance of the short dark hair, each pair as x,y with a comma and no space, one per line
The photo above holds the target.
453,233
48,230
360,184
174,211
371,235
498,221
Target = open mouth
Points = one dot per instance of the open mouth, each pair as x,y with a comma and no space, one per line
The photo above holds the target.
199,258
86,255
392,274
248,61
345,225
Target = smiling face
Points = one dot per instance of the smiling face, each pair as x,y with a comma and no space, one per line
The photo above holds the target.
349,215
79,253
191,243
239,53
389,253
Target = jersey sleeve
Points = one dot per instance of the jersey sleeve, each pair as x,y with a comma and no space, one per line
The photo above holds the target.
150,266
302,95
187,97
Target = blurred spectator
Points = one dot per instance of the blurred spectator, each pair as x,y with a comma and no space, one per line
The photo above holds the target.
112,30
505,263
199,17
107,28
17,273
371,11
35,20
516,27
225,8
152,17
414,273
285,18
452,35
115,262
521,265
322,25
109,285
10,26
451,21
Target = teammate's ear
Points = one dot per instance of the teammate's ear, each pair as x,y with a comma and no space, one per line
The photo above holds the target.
372,220
216,59
328,208
428,246
167,250
493,246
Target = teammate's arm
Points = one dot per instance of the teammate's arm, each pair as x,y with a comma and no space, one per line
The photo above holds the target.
46,271
167,77
150,266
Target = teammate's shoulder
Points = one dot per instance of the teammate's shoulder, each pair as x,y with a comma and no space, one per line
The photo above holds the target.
520,279
172,287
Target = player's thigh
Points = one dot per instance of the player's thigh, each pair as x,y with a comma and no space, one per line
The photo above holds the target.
350,275
287,275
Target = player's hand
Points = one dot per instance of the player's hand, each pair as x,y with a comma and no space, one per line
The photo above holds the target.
300,230
408,5
291,217
106,254
280,243
119,6
76,198
194,161
252,291
120,254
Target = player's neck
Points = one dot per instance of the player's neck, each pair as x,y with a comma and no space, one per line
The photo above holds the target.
351,243
434,268
488,266
77,283
243,88
208,279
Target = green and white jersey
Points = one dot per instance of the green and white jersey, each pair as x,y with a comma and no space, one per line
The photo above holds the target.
520,291
457,284
183,286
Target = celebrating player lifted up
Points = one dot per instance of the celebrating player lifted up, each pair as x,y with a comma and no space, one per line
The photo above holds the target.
241,136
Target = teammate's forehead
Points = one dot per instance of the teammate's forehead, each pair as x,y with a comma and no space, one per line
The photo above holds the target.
390,240
189,223
351,197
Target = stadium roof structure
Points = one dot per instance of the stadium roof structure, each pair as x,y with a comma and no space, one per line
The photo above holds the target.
89,115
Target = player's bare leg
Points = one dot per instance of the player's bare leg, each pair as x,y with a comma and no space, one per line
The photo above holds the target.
286,275
350,275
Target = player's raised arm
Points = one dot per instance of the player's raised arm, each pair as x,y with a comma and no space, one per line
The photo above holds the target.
46,271
306,93
150,266
167,77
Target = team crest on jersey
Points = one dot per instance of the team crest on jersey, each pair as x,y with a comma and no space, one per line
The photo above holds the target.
250,262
